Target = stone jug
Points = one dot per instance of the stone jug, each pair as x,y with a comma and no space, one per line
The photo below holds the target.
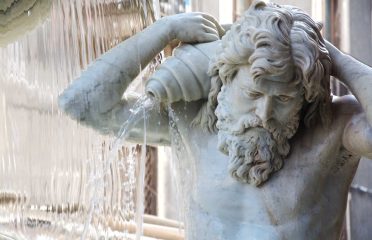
184,75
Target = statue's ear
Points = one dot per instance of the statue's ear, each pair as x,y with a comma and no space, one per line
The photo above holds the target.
319,25
258,4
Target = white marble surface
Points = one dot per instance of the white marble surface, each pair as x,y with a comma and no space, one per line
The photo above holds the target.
303,198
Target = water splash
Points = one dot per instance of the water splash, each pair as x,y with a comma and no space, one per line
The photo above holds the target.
58,178
123,209
138,113
183,166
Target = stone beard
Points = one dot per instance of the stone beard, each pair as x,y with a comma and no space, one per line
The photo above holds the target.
256,149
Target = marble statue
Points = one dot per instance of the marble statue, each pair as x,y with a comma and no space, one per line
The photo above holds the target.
273,152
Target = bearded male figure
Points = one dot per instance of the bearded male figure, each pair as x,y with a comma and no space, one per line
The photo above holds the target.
281,56
279,152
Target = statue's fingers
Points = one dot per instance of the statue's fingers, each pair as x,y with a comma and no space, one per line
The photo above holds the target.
220,29
210,30
208,37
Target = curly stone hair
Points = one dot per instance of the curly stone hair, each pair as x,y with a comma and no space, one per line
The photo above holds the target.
274,39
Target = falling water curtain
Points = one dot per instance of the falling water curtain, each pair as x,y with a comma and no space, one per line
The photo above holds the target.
58,178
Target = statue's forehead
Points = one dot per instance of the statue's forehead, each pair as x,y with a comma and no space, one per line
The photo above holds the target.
244,82
287,76
269,87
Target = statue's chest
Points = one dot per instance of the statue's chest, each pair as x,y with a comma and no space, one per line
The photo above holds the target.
304,184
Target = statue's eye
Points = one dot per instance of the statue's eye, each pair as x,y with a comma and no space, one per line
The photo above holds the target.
284,98
254,95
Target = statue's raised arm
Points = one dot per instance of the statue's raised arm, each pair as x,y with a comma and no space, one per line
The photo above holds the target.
95,98
358,78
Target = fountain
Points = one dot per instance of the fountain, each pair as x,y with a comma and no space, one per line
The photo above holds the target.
260,154
59,179
262,149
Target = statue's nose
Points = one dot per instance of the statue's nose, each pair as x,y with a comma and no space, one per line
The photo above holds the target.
264,108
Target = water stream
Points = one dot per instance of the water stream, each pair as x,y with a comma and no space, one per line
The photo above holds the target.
59,179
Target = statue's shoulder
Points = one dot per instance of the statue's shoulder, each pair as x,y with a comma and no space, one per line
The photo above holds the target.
185,111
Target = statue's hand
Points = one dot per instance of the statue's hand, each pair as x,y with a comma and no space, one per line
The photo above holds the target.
193,27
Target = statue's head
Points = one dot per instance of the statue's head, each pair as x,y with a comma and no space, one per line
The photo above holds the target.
272,74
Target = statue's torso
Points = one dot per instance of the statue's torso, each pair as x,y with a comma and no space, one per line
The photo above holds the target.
306,199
